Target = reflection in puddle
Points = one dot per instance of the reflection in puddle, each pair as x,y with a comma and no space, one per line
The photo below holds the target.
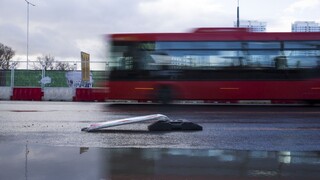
45,162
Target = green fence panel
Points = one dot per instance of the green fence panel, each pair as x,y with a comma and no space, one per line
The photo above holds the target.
32,78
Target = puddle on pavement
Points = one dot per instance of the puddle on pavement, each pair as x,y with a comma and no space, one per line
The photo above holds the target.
29,161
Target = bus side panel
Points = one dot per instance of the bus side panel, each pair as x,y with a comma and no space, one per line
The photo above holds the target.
131,90
217,90
251,90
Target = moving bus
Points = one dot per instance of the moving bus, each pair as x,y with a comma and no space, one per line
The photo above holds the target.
215,65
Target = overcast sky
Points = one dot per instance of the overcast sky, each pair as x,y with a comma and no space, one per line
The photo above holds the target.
63,28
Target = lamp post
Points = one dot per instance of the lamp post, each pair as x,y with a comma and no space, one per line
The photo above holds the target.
28,3
238,21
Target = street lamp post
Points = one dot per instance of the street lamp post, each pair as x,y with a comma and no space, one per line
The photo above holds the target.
28,3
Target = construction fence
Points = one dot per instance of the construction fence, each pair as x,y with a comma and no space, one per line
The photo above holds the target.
51,85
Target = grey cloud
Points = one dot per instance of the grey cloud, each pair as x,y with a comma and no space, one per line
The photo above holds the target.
57,26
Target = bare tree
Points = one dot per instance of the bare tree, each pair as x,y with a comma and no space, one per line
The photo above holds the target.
44,61
6,53
64,66
48,62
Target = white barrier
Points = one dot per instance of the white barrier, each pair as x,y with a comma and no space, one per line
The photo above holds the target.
5,93
58,93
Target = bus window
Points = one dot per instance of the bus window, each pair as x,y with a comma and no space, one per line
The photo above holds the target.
212,55
302,54
264,45
131,56
196,45
302,45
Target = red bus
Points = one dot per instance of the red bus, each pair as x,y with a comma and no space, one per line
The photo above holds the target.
215,65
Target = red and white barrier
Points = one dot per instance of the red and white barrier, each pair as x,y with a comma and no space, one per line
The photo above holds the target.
5,93
27,94
58,93
90,94
53,94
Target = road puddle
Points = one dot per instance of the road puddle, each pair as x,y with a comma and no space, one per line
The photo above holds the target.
32,161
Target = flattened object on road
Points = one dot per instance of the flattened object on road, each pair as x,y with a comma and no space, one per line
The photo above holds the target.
178,125
119,122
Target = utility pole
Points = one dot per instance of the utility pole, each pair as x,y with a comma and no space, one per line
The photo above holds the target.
238,21
28,3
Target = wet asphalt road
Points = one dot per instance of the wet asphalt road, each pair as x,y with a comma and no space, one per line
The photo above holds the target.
267,128
43,140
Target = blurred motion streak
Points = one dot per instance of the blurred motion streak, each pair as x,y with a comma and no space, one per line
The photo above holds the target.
215,65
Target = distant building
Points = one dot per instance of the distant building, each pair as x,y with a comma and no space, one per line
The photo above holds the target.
305,26
254,26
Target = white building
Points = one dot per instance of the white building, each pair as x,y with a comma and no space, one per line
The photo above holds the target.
254,26
305,26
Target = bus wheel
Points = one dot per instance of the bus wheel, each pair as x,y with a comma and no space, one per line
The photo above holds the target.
164,95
